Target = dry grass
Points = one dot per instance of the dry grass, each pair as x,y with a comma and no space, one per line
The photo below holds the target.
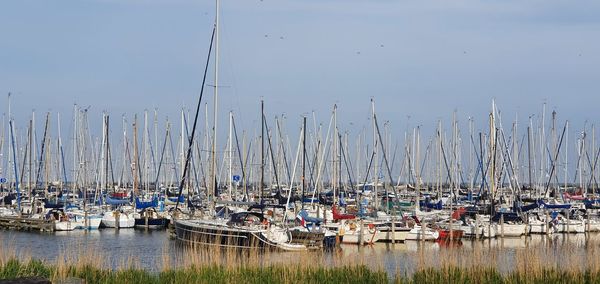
544,262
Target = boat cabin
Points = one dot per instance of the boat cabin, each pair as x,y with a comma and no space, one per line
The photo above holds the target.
246,219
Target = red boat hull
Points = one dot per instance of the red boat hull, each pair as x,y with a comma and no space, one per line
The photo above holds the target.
445,234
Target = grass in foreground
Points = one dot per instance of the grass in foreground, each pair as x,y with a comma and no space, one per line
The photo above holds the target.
547,262
206,274
289,274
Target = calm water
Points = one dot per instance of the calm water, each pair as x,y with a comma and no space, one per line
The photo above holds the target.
145,248
149,249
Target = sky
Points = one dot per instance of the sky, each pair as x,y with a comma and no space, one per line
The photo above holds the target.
419,60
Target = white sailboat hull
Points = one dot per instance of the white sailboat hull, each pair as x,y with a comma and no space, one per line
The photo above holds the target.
512,230
109,220
417,234
573,227
398,236
67,225
355,238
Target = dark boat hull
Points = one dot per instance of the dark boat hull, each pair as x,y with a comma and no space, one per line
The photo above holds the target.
221,236
153,223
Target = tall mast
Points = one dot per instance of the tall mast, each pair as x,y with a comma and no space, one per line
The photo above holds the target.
61,157
75,164
183,140
375,156
440,160
529,150
124,153
207,146
471,160
9,113
567,156
213,177
554,144
493,159
244,163
303,159
135,157
230,154
10,149
593,174
145,141
191,138
34,150
262,149
2,139
12,138
543,160
156,171
103,157
30,166
47,161
334,176
106,150
516,156
418,157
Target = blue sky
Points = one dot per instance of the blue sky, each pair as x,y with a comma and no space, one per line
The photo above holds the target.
422,59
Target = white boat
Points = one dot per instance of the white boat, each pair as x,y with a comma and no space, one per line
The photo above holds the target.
125,220
399,234
67,225
570,226
351,233
511,230
490,230
62,221
537,226
419,233
89,222
474,228
93,222
471,231
593,226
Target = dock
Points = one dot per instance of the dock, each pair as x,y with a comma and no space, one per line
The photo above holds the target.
26,224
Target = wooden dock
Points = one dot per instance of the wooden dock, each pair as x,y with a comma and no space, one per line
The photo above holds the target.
26,224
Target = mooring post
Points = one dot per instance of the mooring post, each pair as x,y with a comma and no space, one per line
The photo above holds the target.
360,236
502,225
548,222
587,221
568,221
393,231
117,219
477,226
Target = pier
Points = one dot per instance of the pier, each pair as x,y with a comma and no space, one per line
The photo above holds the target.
26,224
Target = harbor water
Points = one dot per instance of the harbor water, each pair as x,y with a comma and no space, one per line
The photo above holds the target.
156,251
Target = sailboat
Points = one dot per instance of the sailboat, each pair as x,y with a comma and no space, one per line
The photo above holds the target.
148,217
119,218
62,221
246,229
